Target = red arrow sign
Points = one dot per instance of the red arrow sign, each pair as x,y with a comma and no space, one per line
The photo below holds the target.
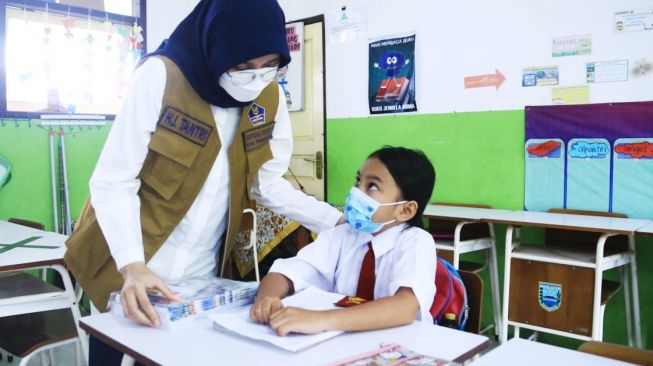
481,81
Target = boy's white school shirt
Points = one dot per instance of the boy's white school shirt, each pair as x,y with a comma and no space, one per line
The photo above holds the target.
404,257
191,248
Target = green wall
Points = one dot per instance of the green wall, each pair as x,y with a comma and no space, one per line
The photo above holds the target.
476,155
26,145
478,158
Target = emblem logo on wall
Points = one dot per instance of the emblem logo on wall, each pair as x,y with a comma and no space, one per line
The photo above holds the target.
256,114
550,296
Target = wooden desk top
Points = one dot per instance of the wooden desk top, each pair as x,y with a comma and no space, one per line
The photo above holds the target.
520,352
200,344
24,247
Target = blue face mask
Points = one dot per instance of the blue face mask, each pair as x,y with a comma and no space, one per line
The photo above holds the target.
359,209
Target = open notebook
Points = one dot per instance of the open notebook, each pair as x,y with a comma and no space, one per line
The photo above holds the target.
239,322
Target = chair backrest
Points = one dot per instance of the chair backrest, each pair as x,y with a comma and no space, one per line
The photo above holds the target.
474,286
584,240
618,352
444,229
28,223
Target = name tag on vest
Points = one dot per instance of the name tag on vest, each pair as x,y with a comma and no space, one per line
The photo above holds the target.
185,126
258,136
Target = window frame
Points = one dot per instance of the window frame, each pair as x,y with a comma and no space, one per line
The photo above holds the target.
59,9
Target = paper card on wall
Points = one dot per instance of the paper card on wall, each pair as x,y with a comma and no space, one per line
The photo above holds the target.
540,76
588,174
292,80
632,177
633,20
545,174
570,95
641,68
607,71
572,45
346,24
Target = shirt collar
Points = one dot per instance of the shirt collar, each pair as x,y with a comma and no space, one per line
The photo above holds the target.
383,242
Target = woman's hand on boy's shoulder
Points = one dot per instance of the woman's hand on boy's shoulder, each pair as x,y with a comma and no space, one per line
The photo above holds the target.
264,307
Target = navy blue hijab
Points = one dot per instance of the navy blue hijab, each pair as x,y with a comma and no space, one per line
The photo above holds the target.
220,34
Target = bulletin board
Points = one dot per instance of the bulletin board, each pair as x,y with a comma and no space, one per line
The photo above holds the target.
590,157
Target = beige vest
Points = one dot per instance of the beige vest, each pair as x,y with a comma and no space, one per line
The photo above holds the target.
182,151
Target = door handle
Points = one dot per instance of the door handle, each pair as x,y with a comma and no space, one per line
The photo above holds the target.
319,164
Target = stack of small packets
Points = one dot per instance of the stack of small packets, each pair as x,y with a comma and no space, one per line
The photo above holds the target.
197,295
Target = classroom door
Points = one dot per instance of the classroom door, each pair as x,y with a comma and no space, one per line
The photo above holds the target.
307,162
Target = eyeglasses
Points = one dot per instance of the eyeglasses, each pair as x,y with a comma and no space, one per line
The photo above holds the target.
247,76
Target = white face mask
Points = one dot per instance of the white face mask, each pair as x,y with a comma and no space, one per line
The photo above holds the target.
246,85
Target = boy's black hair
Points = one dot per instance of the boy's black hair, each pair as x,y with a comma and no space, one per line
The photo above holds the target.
413,173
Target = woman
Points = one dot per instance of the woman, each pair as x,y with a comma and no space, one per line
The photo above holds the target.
202,131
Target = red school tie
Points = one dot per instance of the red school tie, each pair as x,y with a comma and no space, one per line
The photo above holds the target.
367,276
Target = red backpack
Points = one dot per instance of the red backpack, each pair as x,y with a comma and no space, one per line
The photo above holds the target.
450,296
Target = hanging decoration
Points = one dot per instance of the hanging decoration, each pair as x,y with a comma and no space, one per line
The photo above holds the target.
69,24
136,40
61,63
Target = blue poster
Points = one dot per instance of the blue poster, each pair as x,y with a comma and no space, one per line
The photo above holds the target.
392,75
588,174
545,174
632,175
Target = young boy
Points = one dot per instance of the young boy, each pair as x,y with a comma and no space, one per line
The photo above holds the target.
381,255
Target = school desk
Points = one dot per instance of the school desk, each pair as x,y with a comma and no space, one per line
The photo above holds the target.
520,352
646,230
581,269
459,217
200,344
23,248
461,213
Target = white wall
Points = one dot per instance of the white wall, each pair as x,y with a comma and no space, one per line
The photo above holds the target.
162,18
464,38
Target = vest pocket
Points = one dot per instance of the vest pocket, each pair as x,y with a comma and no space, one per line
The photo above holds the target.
168,161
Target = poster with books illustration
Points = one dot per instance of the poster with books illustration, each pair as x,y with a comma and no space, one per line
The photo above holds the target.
392,75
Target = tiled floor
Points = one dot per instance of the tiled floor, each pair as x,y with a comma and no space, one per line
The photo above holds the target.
63,356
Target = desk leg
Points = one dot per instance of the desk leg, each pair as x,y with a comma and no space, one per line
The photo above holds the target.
506,285
494,283
635,289
597,319
456,244
70,292
625,282
127,361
